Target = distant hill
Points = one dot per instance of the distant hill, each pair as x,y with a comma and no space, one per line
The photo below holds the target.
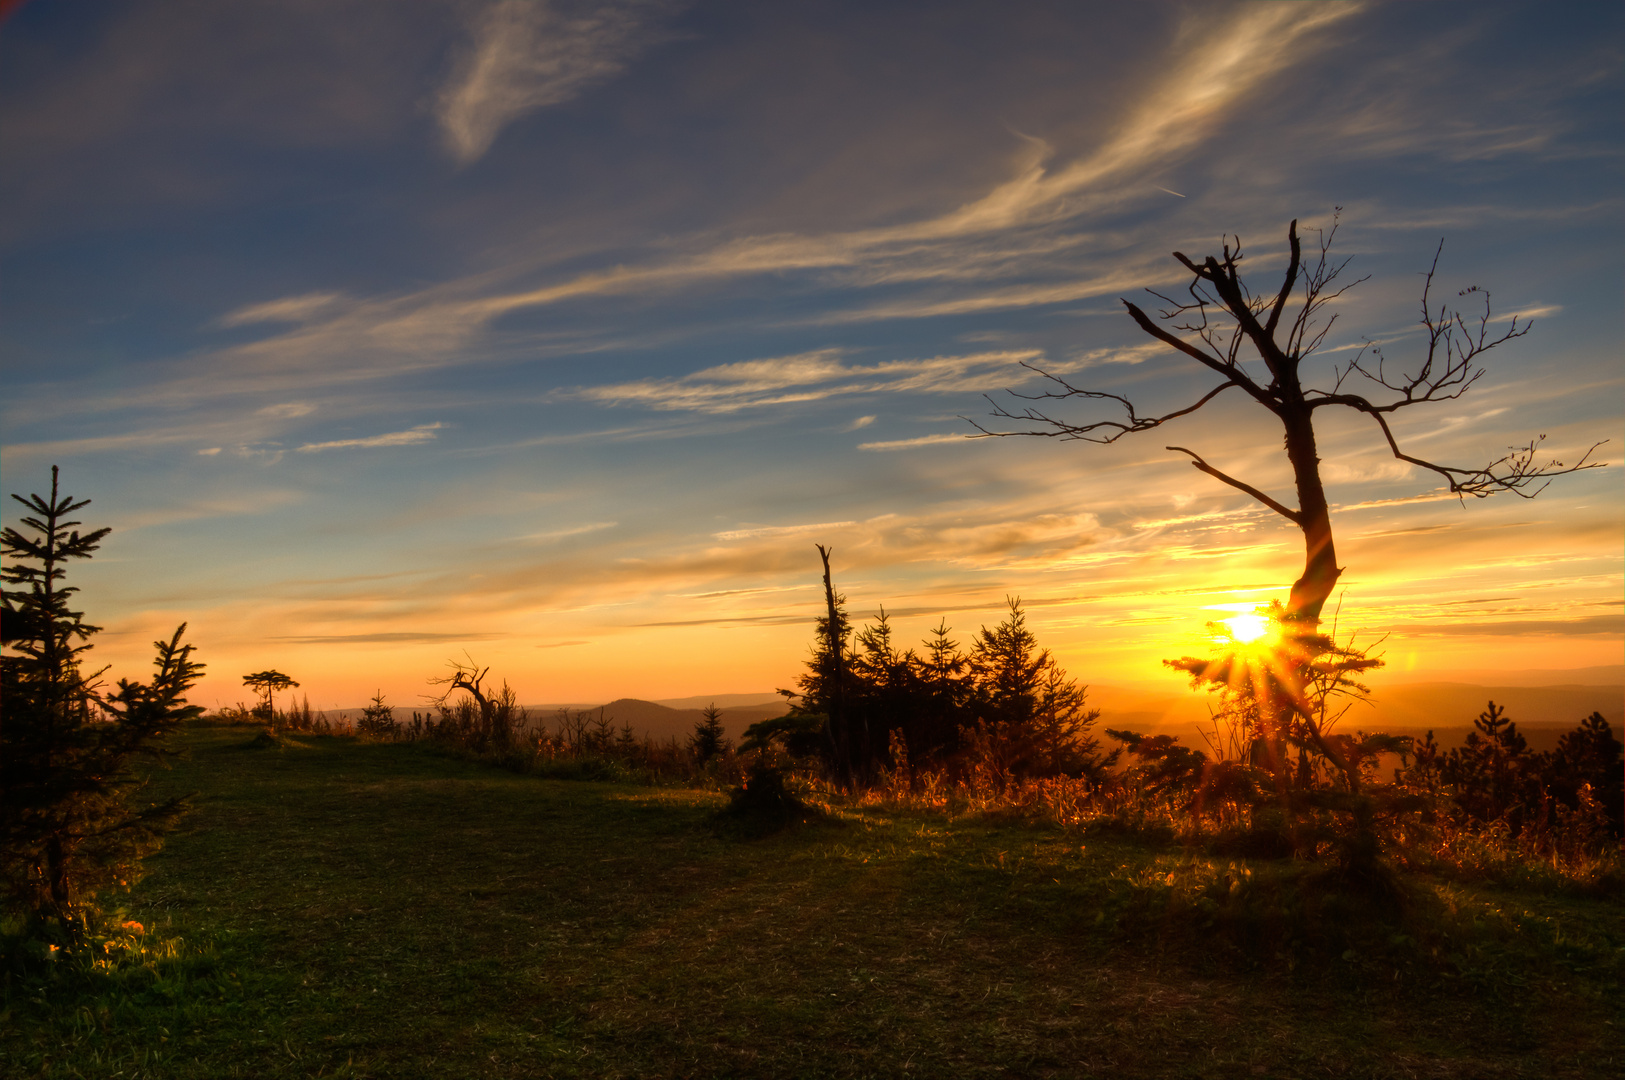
660,722
722,701
1424,704
1604,675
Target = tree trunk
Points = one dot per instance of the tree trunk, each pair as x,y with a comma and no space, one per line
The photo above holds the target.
1320,570
1320,573
56,874
840,737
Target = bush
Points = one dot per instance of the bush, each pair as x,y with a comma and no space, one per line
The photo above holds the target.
764,804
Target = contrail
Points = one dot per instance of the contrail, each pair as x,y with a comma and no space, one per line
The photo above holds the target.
1170,192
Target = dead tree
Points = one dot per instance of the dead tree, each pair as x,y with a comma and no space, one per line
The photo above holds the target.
1228,330
467,677
1224,327
838,728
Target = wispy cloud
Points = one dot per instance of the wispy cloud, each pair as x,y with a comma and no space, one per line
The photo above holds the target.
287,411
574,530
782,530
295,309
811,376
997,251
529,54
907,444
1586,626
388,637
420,434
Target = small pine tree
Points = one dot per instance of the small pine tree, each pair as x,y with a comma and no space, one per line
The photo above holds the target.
68,825
709,738
377,718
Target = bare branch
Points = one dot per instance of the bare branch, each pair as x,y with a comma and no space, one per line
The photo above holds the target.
1226,367
1513,472
1306,334
464,676
1291,279
1287,512
1112,429
1448,366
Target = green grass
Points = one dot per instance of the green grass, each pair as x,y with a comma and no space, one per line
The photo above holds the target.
350,909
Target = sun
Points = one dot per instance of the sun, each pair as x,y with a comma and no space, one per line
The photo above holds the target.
1247,628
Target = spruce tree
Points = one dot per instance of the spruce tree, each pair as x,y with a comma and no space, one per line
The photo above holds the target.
1493,773
1033,720
69,825
709,738
1009,669
1590,756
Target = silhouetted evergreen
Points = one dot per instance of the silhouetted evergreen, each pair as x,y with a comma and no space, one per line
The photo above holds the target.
377,718
1590,757
69,826
708,739
1004,711
1494,775
1029,718
800,730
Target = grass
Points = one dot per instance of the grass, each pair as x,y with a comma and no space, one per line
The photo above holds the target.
340,908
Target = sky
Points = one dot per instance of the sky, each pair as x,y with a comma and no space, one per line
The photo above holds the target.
554,336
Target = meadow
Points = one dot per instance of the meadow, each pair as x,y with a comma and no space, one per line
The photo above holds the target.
337,906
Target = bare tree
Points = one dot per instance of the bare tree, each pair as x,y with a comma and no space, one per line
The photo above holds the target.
1224,327
493,719
846,758
468,677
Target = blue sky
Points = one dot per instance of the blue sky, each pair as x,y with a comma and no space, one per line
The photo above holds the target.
559,333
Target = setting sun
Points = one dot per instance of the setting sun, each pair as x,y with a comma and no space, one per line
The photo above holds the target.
1246,628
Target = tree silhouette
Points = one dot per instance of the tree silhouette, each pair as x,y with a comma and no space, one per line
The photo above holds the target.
1493,772
1591,756
266,684
709,738
1031,719
1223,318
377,718
493,718
849,746
68,824
1229,331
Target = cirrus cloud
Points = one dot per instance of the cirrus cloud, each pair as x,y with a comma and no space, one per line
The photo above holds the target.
420,434
529,54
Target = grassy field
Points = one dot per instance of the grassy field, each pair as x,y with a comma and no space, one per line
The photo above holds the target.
339,908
